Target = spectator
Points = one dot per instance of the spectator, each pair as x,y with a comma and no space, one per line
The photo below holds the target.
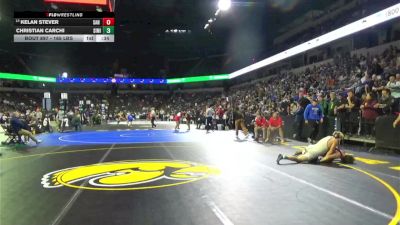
341,112
394,86
368,114
275,124
18,127
162,114
38,115
325,107
199,119
209,118
153,117
385,103
177,120
333,103
76,121
352,106
299,119
130,120
188,118
313,116
238,116
375,67
260,125
220,114
225,117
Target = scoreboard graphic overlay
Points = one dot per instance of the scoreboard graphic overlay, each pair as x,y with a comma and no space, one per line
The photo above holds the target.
64,26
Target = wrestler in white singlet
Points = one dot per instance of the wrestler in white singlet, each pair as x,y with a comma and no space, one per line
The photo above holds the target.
318,149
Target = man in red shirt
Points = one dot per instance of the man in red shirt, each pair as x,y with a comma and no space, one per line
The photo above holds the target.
220,112
275,124
260,125
177,119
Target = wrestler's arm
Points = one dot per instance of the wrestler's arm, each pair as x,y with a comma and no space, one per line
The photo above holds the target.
331,154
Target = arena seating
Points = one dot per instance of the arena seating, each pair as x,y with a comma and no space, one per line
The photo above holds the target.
361,73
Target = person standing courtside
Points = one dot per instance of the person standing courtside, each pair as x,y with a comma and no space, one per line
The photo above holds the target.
313,116
238,116
177,119
188,118
353,110
209,117
199,119
302,103
153,117
322,101
333,103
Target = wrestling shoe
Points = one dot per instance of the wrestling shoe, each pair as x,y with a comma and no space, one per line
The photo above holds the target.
280,157
309,140
38,142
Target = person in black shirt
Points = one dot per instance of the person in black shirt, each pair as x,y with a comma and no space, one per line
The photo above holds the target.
238,116
353,111
299,119
76,121
341,113
188,119
385,103
153,117
376,67
285,107
199,119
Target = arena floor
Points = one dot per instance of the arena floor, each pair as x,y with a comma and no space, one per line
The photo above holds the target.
141,176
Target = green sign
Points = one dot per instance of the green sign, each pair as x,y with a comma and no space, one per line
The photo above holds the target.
14,76
198,79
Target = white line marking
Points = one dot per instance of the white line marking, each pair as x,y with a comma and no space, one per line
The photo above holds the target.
348,200
221,216
151,134
69,204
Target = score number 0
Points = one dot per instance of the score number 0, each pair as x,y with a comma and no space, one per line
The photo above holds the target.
108,21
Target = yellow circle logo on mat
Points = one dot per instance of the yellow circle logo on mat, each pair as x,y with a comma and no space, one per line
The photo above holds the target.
129,175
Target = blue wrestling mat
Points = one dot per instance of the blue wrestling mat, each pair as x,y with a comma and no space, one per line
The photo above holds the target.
115,137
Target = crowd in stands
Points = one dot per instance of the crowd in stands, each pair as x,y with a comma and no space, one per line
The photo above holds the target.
353,89
349,94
